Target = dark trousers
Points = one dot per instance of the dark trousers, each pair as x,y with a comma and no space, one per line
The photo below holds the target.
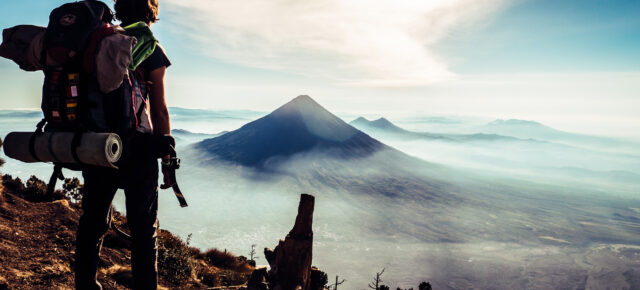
140,184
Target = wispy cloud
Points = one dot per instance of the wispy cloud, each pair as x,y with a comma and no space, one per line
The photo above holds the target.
364,42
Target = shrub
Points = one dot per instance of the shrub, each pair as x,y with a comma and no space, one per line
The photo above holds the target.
319,279
12,184
174,258
36,189
214,277
73,189
424,286
226,260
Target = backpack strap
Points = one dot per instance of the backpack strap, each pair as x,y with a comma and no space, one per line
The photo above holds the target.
75,142
57,174
144,47
53,154
32,139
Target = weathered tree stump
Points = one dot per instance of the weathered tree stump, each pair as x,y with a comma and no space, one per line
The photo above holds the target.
290,262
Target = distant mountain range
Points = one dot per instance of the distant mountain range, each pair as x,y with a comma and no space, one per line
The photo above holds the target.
302,125
524,129
531,129
384,126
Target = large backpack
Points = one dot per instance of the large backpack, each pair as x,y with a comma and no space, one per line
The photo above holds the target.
72,98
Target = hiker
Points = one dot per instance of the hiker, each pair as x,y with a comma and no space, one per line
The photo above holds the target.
138,176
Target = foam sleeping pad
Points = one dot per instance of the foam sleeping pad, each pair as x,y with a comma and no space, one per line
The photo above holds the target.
100,149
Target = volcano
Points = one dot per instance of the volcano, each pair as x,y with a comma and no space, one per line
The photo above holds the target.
301,125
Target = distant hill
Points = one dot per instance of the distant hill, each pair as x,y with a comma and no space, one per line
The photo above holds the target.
521,129
381,123
302,125
21,114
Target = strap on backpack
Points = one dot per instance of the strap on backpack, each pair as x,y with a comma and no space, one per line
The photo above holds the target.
51,151
57,174
32,139
75,142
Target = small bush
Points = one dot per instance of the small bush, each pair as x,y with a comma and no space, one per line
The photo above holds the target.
424,286
73,189
226,260
174,258
36,189
319,279
12,184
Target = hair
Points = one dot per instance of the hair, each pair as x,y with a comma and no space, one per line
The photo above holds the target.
131,11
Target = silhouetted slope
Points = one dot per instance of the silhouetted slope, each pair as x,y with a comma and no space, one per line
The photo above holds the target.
299,126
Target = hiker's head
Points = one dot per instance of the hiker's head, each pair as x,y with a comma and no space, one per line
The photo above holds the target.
131,11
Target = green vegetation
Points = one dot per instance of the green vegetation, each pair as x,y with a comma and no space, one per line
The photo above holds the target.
181,264
174,258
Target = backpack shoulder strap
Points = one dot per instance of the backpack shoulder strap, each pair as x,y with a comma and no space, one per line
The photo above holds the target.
145,46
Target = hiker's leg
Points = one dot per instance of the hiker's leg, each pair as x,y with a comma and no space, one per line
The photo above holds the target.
141,190
100,187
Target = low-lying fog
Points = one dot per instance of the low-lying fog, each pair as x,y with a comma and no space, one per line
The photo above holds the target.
505,215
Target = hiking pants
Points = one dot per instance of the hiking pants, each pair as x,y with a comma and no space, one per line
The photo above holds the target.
140,184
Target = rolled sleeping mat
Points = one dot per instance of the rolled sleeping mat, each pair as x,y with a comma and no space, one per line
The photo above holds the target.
100,149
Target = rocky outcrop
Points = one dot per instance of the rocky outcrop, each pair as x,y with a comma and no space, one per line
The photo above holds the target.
290,261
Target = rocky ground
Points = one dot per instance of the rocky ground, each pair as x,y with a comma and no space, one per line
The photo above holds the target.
37,247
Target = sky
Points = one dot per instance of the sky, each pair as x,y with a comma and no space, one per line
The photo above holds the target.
572,65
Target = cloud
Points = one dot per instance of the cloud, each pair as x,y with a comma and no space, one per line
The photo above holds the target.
363,42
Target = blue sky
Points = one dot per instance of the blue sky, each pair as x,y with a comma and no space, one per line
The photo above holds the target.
573,65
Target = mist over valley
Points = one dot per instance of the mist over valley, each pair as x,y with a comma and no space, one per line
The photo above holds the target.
478,209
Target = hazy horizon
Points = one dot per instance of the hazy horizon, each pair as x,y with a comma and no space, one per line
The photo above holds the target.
570,65
457,207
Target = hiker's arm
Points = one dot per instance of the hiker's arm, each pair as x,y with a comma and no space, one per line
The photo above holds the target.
159,111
